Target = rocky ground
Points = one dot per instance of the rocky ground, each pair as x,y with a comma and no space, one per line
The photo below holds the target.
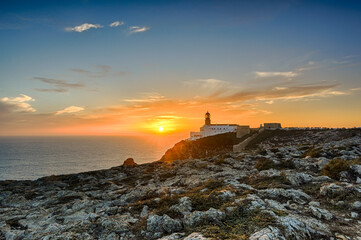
287,185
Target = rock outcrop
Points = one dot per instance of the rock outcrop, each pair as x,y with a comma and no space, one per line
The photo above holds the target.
130,162
275,190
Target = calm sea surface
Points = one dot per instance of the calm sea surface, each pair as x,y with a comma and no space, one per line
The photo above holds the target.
33,157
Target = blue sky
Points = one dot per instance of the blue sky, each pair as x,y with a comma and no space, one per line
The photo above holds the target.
180,51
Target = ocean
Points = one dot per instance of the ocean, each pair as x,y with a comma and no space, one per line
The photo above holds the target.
29,158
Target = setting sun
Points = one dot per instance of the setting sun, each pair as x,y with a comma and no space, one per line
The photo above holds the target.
161,129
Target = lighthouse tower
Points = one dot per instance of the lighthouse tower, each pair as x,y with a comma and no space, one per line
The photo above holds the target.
207,120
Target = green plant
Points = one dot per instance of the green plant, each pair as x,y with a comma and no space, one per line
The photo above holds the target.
334,167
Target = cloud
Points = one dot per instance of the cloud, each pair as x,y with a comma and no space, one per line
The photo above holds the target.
297,92
101,72
355,89
138,29
83,27
116,24
276,74
209,83
287,74
71,109
60,90
18,103
280,88
60,85
147,98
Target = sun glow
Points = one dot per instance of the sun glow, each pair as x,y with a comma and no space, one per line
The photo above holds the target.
161,129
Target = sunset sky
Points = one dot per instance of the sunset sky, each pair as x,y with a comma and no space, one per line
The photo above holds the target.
131,67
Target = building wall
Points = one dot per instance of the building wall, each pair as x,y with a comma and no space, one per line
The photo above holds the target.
242,131
272,126
210,130
213,129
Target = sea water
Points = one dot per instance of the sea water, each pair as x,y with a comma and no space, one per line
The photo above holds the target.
23,158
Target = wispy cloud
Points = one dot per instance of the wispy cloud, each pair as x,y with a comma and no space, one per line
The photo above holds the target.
298,92
287,74
276,74
20,103
138,29
59,90
116,24
60,85
86,26
83,27
147,98
208,84
71,109
101,71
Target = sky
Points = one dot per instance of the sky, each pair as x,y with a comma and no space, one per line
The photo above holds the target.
130,67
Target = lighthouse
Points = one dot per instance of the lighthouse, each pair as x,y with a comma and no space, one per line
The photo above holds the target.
207,119
209,129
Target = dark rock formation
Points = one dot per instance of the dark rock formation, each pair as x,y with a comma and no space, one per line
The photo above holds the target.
130,162
200,148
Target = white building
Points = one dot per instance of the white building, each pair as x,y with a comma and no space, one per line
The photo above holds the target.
209,129
272,126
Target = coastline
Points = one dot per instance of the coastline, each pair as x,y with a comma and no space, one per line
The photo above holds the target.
277,188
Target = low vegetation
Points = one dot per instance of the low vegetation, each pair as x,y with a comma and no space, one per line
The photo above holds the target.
312,152
264,164
334,167
239,225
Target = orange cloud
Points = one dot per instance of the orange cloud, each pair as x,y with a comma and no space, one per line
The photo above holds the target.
145,114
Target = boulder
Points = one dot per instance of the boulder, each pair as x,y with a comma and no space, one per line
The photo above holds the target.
196,236
296,195
129,162
184,207
321,213
268,233
301,227
160,224
196,217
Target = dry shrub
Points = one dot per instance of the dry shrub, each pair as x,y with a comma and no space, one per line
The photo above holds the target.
334,167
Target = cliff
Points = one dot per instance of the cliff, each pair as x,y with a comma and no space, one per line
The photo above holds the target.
288,185
201,148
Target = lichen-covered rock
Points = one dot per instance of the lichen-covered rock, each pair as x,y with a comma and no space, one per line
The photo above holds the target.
321,213
296,195
184,206
196,236
211,216
268,233
160,199
356,170
356,205
270,173
297,179
300,227
160,224
173,236
225,194
170,225
154,223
